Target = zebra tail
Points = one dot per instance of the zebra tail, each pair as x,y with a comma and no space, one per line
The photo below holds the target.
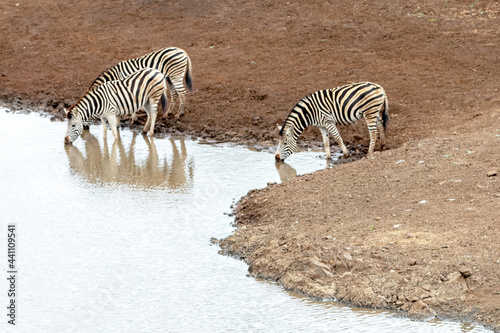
385,113
164,101
189,79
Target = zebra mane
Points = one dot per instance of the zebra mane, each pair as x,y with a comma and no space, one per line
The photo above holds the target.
70,109
69,115
282,131
289,121
107,70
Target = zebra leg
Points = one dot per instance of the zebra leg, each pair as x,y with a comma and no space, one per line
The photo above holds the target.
133,118
151,106
373,140
112,124
104,128
182,101
153,121
372,130
173,98
147,126
147,108
334,131
380,128
326,141
178,84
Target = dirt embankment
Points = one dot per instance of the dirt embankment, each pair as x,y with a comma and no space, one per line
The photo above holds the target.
414,229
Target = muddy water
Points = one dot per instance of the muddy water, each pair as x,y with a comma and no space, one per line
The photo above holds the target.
115,237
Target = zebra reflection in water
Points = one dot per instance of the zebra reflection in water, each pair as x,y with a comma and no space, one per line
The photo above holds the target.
285,170
120,165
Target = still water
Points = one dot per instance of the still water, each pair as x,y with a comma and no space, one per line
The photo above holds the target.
115,237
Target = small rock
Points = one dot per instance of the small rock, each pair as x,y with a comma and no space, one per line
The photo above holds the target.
432,301
491,173
412,262
347,256
421,309
454,277
465,272
380,302
414,298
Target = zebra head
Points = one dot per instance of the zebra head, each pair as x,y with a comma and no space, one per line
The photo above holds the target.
75,126
287,144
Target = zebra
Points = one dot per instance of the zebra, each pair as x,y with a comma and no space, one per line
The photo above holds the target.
142,89
326,108
173,62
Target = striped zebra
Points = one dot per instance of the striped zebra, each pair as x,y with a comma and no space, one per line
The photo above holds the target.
327,108
173,62
142,89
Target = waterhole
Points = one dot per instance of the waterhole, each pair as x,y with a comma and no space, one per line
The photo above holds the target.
115,237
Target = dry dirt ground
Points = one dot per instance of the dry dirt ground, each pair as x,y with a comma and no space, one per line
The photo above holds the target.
416,228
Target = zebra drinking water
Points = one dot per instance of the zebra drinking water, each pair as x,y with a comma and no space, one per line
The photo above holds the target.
142,89
326,108
173,62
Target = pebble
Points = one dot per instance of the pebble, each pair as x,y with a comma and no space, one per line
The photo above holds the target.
465,272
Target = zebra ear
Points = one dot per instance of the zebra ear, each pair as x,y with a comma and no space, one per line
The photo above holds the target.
65,111
279,127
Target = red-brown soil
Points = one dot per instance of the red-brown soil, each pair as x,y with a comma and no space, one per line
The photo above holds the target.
439,64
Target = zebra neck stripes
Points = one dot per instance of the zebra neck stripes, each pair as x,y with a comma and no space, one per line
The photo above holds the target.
89,106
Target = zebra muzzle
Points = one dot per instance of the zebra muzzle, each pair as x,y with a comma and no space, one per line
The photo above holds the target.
278,158
67,140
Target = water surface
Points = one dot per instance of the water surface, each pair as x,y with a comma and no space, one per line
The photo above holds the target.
115,237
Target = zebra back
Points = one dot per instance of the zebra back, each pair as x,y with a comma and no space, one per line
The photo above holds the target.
123,96
109,74
173,62
343,105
